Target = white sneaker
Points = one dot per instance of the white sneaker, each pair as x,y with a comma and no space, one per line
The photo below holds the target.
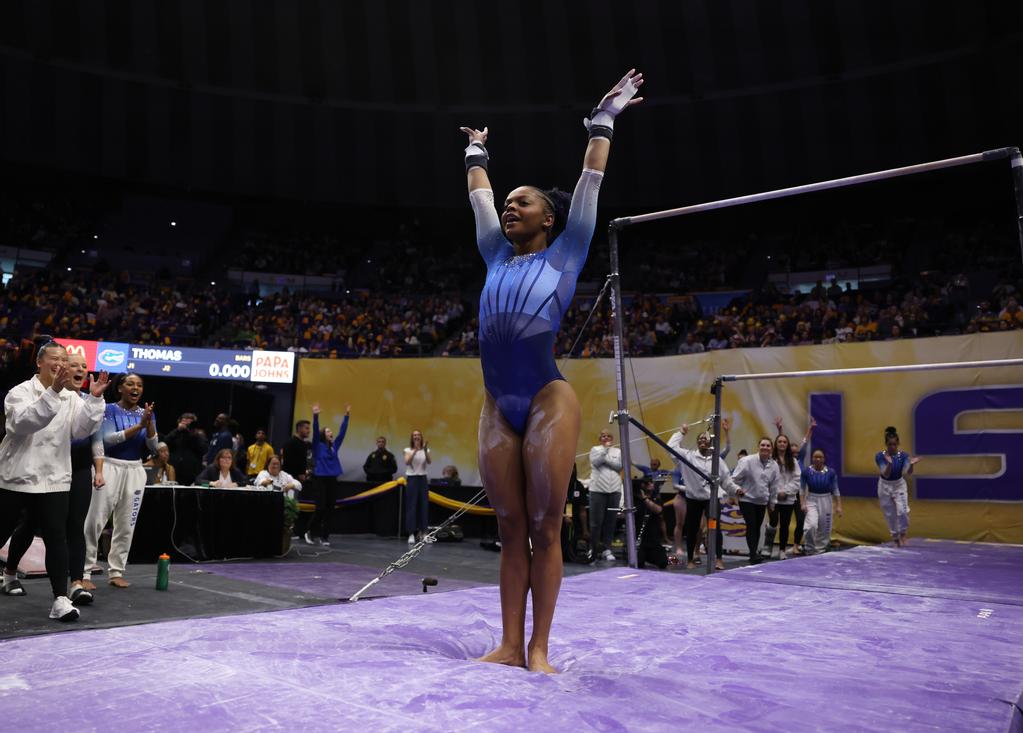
782,555
308,539
412,539
608,555
63,610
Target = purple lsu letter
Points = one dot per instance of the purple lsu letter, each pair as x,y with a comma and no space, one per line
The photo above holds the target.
934,422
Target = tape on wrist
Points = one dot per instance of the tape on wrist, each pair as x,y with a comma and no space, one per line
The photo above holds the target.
476,156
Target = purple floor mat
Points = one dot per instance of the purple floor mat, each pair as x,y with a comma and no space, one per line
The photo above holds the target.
979,572
639,651
330,579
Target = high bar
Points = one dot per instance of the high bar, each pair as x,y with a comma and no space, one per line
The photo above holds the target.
908,170
873,370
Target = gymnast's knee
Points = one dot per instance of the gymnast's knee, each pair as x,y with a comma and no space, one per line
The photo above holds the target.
545,532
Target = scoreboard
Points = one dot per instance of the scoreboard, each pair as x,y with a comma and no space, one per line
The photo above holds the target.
186,362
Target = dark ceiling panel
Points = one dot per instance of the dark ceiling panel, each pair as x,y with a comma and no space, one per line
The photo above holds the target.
315,98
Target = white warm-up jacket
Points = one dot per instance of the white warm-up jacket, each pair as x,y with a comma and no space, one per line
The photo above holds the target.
35,455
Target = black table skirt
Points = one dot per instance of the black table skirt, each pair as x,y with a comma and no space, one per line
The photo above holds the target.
212,524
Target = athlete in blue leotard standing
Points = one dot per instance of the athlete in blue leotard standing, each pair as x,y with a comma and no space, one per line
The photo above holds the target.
529,427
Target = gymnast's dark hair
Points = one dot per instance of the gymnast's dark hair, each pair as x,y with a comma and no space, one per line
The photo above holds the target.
562,201
122,378
890,432
42,344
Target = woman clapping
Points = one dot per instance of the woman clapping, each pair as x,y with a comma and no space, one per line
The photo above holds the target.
128,435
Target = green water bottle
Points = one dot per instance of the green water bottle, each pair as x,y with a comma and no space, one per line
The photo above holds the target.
163,571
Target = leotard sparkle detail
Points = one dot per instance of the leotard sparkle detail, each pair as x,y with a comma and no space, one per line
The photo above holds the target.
524,298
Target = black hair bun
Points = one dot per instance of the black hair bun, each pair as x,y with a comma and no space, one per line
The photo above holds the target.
562,201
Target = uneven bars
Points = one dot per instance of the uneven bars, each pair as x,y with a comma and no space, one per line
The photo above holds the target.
873,370
908,170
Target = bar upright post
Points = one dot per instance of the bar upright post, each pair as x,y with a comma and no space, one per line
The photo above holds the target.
623,402
714,511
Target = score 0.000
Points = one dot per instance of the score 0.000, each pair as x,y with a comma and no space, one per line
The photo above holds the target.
230,370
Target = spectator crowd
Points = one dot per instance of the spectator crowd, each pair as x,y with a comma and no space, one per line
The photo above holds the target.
405,291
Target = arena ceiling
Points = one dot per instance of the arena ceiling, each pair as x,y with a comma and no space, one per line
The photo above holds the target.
360,101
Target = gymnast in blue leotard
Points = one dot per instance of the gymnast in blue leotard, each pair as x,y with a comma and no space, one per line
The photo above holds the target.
529,426
525,295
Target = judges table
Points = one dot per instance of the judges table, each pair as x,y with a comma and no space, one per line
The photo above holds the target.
208,524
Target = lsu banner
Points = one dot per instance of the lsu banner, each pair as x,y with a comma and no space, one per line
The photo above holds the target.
966,424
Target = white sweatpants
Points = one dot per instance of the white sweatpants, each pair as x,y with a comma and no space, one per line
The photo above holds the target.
120,497
893,496
817,524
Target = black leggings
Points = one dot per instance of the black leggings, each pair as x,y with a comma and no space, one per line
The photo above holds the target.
325,493
79,499
753,515
800,518
48,512
696,510
784,512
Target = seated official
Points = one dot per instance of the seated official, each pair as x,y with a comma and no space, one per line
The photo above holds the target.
221,474
158,467
275,478
648,530
450,475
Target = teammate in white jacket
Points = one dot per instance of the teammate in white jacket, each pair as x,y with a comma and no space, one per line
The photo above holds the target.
697,491
605,494
43,415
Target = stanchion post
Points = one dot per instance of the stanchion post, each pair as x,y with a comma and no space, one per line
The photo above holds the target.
1016,162
623,404
714,513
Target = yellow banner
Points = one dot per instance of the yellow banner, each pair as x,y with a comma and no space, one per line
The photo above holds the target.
967,424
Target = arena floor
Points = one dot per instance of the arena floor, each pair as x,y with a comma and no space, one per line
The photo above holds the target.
923,638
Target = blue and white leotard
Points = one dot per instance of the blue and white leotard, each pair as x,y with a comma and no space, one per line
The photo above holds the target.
524,298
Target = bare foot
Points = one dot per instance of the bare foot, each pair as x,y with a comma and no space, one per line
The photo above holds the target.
690,565
513,656
719,565
538,661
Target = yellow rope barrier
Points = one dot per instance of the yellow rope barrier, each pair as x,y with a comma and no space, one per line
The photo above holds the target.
483,511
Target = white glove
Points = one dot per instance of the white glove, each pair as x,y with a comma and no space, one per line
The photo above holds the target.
622,95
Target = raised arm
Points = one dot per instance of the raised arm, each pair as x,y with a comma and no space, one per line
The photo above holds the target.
573,243
341,431
601,121
490,237
477,159
806,441
89,412
726,425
